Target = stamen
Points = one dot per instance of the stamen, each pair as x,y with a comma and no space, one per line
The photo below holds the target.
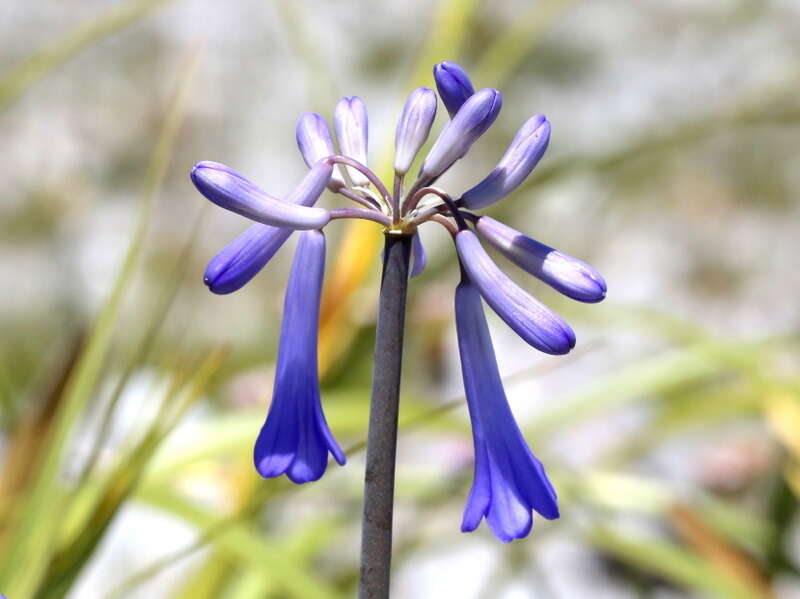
419,184
372,215
442,220
429,214
373,178
413,200
363,200
397,191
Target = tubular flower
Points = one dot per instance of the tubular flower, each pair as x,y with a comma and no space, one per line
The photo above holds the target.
471,121
522,156
231,190
570,276
295,439
509,481
413,127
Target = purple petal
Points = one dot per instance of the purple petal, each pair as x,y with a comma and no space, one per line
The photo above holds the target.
453,84
245,256
239,261
295,439
413,127
570,276
530,319
315,143
419,259
350,122
509,482
472,120
232,191
520,158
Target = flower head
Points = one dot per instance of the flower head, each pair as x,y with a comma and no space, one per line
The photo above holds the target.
510,483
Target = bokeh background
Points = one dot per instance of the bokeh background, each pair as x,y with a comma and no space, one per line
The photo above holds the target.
131,396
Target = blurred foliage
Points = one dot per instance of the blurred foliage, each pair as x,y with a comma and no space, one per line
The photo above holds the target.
68,377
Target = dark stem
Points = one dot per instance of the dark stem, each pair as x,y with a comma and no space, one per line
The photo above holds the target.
376,533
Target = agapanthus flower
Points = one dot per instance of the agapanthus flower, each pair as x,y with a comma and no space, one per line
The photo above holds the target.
509,481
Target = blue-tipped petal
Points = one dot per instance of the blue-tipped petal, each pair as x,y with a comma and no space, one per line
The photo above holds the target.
239,261
524,153
530,319
472,120
413,127
315,143
509,482
230,190
419,259
453,84
295,439
570,276
352,131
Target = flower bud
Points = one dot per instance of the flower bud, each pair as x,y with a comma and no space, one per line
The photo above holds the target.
472,120
524,153
530,319
242,259
570,276
230,190
413,127
453,84
314,140
350,122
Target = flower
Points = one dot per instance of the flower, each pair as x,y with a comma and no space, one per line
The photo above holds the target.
522,156
453,84
570,276
509,482
295,439
471,121
229,189
413,127
529,318
350,121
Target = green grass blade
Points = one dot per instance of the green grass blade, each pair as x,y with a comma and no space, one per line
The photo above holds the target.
244,544
68,562
29,544
677,564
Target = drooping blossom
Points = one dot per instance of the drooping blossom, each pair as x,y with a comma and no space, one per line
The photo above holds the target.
509,481
295,439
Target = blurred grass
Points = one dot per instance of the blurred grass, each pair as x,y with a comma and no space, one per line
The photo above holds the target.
33,526
20,78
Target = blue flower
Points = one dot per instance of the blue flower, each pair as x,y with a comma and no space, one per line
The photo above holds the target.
453,84
413,127
510,483
529,318
295,439
244,257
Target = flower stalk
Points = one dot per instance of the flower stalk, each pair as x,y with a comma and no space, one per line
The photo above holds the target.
376,533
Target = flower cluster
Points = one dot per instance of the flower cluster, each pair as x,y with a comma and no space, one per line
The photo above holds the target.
509,482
